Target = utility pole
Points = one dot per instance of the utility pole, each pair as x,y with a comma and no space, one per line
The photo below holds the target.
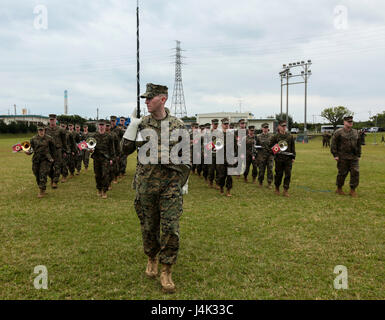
240,105
178,103
137,63
97,113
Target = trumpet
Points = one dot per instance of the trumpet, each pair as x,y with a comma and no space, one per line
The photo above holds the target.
26,146
91,143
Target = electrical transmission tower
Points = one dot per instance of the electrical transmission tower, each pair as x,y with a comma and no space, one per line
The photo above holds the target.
178,106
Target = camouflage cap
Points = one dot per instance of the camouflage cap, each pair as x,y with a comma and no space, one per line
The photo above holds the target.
265,125
282,122
108,124
195,124
113,118
40,126
52,116
101,121
77,125
122,118
85,125
70,124
241,120
207,125
225,121
153,90
215,121
232,125
201,126
348,118
251,127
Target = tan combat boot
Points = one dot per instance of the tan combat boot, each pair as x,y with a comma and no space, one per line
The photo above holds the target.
217,187
110,187
254,180
353,193
228,194
245,179
286,193
64,179
152,267
99,193
115,180
269,186
210,184
260,184
104,195
221,188
168,285
54,185
340,192
41,193
276,191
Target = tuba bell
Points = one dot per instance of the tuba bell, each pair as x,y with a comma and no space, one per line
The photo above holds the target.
219,144
91,143
26,146
283,145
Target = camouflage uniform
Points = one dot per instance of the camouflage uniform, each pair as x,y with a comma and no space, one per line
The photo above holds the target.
103,153
73,150
42,160
79,153
86,152
118,135
250,154
264,158
346,145
59,137
223,178
283,163
158,200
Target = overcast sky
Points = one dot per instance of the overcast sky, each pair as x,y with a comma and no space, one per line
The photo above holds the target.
233,53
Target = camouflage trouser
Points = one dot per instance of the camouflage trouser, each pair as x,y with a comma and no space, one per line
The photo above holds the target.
116,167
283,165
86,157
212,169
223,178
71,162
205,170
78,160
249,162
41,170
265,162
64,165
344,167
123,164
160,210
102,169
55,171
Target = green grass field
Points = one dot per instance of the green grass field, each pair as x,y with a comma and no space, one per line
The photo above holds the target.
254,245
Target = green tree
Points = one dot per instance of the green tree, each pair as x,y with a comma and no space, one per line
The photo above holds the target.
335,115
379,119
71,119
283,117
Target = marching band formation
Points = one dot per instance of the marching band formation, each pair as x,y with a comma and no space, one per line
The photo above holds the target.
159,186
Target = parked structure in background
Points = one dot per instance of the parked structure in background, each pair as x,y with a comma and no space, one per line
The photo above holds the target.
29,119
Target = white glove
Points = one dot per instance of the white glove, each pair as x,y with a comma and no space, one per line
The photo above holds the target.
132,129
185,188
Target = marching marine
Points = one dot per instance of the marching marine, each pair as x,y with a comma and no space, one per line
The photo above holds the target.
265,159
158,201
346,150
59,137
43,149
283,160
251,154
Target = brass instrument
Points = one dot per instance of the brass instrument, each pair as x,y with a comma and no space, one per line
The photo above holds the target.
283,145
26,146
91,143
219,144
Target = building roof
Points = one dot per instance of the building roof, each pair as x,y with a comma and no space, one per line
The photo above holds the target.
218,114
22,116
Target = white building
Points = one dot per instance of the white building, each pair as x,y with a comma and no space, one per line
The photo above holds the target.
203,118
234,117
29,119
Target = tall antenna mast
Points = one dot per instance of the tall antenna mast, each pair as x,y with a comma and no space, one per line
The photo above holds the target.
137,62
178,105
